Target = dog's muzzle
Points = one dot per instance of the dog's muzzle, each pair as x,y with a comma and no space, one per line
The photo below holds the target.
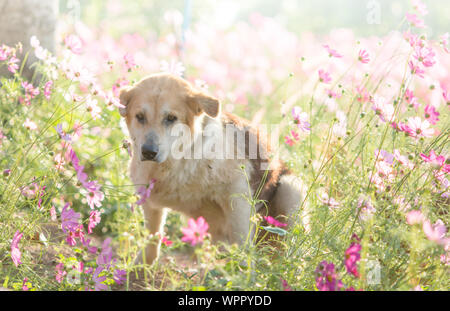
149,152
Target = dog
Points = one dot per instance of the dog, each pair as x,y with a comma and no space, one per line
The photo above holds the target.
216,187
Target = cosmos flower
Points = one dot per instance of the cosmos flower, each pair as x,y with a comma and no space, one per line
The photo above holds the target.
331,52
15,251
196,231
324,76
272,221
431,114
363,56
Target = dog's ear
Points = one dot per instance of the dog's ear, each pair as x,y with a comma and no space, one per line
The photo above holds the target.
200,102
125,96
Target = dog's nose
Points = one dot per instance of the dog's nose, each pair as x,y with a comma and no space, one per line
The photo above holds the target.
149,152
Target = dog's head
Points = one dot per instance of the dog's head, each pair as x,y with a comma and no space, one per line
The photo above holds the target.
155,105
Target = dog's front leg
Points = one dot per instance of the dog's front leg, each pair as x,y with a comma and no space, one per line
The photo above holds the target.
154,221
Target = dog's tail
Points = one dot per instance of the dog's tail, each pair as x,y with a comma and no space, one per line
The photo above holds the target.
288,198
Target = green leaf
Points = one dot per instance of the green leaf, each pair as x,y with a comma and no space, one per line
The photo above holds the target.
275,230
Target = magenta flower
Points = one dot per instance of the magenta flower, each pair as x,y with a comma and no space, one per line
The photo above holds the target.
105,256
69,219
425,55
286,286
24,285
411,99
324,76
196,231
363,56
15,251
352,256
272,221
326,278
60,273
166,241
434,159
332,52
431,114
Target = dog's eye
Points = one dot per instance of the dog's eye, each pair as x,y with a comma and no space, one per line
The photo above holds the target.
171,118
140,117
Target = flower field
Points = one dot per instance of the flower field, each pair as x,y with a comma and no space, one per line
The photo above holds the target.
363,121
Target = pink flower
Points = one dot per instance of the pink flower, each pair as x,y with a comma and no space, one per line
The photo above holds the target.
300,119
30,125
418,128
436,232
94,196
443,41
94,219
53,213
352,256
415,21
434,159
24,285
61,133
272,221
105,256
15,251
324,76
12,64
130,64
367,209
73,43
363,56
431,114
93,108
420,7
166,241
403,160
69,219
60,273
196,231
361,94
415,69
325,199
425,56
411,99
48,89
384,110
446,95
332,52
414,217
286,286
144,192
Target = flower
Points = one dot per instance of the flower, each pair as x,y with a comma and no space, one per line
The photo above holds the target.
69,219
411,99
431,114
24,285
73,43
415,21
417,128
98,280
415,69
272,221
420,7
48,89
166,241
196,231
94,219
105,256
326,278
436,232
130,64
324,76
30,125
352,256
301,119
286,286
328,201
424,55
366,207
434,159
332,52
60,273
414,217
94,196
145,192
384,110
61,133
119,276
15,251
363,56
